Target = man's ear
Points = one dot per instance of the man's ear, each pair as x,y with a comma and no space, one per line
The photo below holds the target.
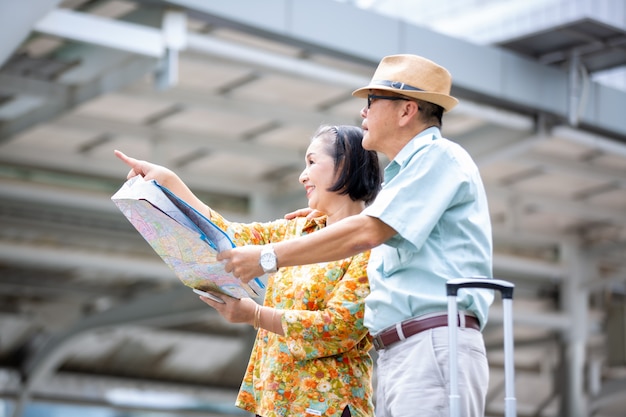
409,110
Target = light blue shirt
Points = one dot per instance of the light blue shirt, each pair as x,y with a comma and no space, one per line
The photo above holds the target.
434,198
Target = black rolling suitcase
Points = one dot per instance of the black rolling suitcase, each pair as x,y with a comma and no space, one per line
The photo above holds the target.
506,289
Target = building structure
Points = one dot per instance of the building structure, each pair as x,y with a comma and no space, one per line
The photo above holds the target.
227,94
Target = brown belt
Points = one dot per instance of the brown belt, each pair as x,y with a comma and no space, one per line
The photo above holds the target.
414,326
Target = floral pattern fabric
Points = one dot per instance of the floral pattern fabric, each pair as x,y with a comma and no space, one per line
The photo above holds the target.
322,363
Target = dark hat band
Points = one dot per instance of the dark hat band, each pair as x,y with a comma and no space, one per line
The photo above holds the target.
395,84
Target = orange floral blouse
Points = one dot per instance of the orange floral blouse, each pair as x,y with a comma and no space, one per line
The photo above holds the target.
322,363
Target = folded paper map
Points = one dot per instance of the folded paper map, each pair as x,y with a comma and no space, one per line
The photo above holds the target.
186,240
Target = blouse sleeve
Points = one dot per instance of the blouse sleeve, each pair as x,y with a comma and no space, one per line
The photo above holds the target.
250,233
337,327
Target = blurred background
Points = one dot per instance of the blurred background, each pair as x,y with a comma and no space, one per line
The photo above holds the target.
228,93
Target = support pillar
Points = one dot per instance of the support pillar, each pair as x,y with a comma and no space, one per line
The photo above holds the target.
574,303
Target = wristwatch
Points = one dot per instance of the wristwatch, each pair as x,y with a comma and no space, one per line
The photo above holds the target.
268,259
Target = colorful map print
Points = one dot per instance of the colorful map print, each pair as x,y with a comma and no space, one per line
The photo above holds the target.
188,247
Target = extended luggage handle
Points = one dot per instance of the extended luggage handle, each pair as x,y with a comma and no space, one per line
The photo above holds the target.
506,289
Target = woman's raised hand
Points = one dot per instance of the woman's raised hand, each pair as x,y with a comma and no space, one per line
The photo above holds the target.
146,169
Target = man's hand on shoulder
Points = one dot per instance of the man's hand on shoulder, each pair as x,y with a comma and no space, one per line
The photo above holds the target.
309,213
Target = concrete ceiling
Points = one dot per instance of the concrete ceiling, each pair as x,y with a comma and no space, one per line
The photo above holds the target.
229,98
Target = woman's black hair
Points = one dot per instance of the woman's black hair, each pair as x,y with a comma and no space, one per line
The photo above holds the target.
359,173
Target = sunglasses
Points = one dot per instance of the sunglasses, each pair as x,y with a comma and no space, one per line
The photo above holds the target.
372,97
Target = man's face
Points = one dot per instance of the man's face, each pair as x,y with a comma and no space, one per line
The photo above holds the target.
379,119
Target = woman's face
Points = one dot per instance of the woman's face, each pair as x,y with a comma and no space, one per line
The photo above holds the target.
319,175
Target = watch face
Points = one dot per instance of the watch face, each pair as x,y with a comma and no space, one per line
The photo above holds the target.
268,261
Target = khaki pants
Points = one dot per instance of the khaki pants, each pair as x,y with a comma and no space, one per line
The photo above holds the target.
412,375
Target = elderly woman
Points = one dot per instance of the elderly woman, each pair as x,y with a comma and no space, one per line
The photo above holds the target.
310,356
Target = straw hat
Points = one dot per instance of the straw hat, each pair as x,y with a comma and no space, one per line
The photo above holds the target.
412,76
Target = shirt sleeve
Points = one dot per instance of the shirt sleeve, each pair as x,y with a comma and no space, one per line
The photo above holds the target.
413,201
338,327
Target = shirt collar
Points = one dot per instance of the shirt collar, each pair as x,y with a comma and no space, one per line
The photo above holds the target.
418,141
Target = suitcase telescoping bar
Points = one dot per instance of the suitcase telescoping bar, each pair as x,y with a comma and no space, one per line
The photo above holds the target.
506,289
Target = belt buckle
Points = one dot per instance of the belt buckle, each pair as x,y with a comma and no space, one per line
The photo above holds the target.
378,342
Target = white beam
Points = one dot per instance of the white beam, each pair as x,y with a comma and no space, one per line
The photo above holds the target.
101,31
574,208
575,168
110,265
16,21
508,151
72,95
281,113
540,320
592,140
491,114
528,268
275,62
502,78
